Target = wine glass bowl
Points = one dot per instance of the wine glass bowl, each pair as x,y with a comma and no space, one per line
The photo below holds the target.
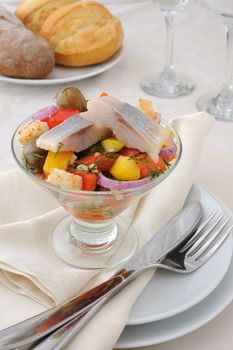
93,236
221,8
168,83
220,104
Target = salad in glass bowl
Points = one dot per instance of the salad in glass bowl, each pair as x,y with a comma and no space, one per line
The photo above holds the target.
96,157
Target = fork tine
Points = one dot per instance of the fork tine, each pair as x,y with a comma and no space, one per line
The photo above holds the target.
200,249
198,233
213,248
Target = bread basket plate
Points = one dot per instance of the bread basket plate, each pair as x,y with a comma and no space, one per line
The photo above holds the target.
61,75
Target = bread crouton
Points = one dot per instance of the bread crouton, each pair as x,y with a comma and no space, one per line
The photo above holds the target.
64,179
32,131
146,107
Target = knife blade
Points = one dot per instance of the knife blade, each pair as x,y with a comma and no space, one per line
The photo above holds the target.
171,235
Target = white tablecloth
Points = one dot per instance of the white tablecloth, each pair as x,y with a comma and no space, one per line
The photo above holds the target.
199,53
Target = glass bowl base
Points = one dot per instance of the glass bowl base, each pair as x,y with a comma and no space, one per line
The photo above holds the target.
167,86
121,250
214,104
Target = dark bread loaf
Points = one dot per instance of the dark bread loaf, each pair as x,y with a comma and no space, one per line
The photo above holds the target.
23,54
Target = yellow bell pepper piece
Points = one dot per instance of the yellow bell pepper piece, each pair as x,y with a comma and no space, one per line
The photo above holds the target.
112,145
125,168
58,160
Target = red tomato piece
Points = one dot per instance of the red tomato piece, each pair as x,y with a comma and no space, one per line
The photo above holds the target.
41,176
129,152
169,158
59,117
147,165
89,180
161,164
103,162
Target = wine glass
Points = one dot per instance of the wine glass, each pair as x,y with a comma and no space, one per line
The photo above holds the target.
220,104
93,236
168,83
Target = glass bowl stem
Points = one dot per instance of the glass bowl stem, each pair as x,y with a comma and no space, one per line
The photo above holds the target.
93,236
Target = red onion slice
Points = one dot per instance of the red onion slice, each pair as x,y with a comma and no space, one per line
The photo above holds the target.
121,185
169,151
44,112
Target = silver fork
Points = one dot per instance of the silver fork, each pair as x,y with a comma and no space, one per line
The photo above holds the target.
197,249
187,257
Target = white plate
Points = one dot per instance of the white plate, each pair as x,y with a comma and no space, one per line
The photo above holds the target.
164,296
62,75
190,320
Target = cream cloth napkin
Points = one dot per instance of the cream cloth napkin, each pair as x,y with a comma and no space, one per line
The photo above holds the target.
27,214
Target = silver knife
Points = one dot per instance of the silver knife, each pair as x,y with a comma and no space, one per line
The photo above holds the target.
30,332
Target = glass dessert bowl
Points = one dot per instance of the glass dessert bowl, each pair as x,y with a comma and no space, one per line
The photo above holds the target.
94,235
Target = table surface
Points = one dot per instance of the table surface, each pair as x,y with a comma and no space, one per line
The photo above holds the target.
198,56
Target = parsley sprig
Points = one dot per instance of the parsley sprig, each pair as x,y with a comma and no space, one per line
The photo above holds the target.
36,155
167,164
60,144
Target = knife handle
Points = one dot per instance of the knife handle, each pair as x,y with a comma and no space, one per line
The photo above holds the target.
58,339
35,328
62,336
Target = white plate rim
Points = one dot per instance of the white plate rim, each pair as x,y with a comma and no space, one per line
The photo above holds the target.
209,315
205,315
187,305
94,70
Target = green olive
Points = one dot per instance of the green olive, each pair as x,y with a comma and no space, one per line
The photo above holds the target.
71,98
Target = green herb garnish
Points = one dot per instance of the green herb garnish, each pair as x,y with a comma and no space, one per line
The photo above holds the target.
109,155
154,173
25,161
167,164
96,148
36,155
141,157
93,168
60,144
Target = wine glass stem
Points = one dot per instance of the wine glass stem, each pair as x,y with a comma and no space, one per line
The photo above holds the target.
227,88
170,17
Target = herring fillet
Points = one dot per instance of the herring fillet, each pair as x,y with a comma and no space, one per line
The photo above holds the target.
74,134
128,124
86,138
